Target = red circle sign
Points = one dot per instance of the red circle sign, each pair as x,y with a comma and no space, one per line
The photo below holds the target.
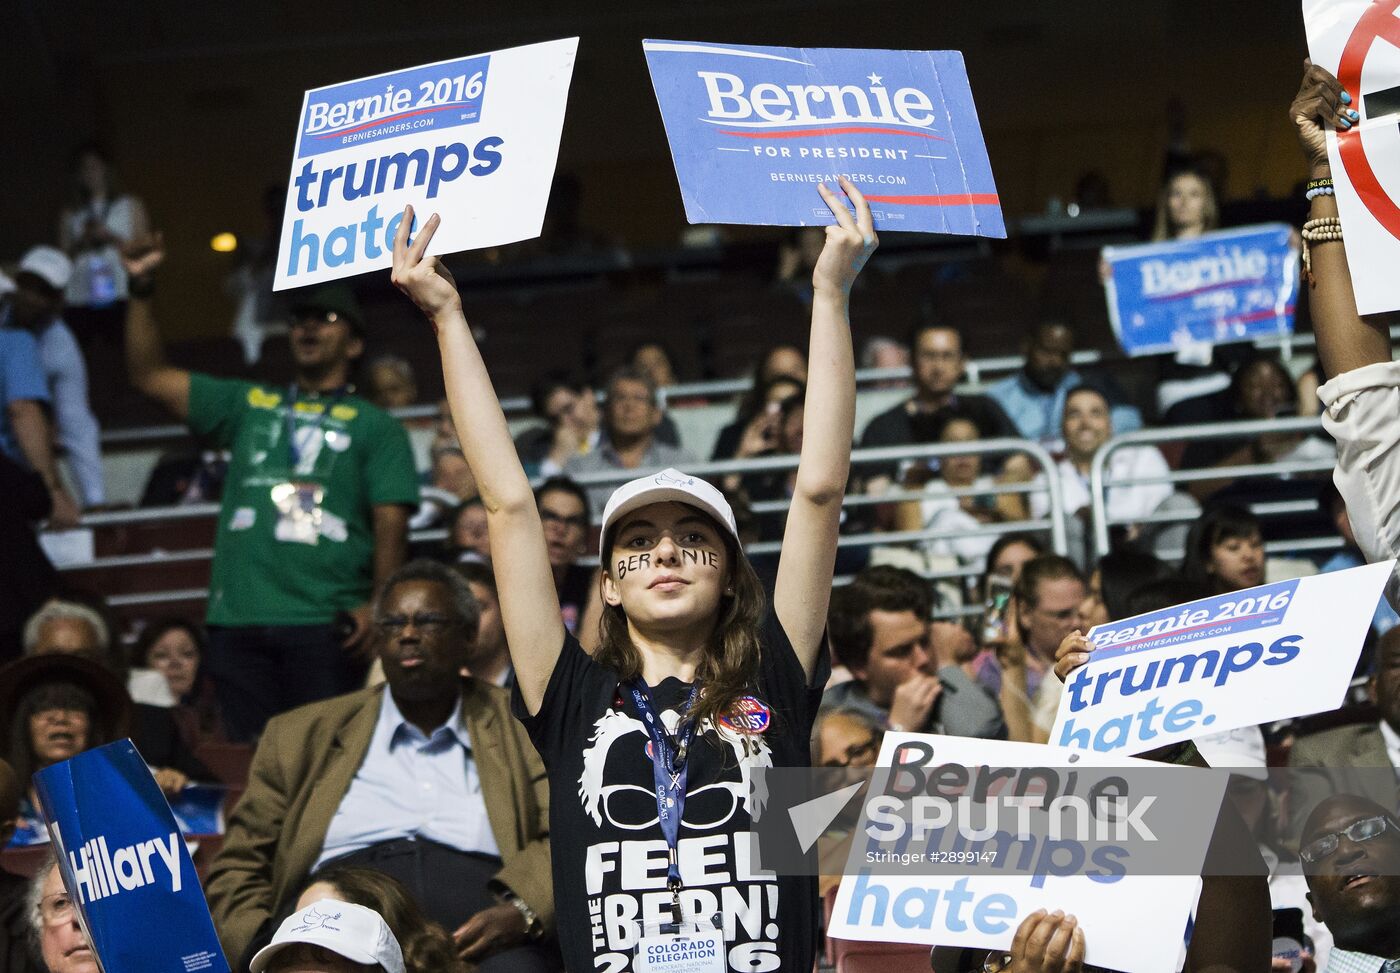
1377,22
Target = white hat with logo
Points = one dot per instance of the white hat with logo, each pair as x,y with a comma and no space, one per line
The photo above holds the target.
352,931
49,264
668,485
1240,751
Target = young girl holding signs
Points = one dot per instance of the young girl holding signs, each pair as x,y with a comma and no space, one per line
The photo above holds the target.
651,743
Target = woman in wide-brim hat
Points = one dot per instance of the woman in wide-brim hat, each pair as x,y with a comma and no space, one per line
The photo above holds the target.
58,706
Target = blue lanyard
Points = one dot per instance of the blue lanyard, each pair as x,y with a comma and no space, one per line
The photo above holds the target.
293,451
669,761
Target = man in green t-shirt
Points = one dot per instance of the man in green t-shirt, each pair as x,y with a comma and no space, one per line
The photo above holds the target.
315,506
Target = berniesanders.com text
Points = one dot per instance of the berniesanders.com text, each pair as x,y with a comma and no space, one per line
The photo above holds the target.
855,177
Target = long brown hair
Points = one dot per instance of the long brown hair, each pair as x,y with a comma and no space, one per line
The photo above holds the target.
1162,228
427,947
730,667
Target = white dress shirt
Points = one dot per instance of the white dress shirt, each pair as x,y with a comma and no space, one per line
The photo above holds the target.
413,786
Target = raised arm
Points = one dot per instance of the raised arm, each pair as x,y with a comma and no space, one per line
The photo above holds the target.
146,366
529,603
803,586
1345,340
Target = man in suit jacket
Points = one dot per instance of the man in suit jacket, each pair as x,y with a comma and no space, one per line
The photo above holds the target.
1361,758
426,778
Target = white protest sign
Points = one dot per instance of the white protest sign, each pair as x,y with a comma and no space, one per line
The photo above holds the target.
1134,916
1359,42
1268,653
473,138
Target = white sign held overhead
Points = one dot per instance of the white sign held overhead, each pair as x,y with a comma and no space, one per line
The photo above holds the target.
1359,42
474,138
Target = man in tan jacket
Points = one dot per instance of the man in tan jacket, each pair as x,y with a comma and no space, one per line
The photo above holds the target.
427,779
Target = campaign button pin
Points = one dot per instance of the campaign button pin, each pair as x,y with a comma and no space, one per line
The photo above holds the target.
749,715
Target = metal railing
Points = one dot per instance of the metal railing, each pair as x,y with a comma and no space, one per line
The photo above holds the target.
1098,488
1054,524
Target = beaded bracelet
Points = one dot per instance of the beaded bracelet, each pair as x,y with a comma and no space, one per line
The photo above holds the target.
1317,191
1322,230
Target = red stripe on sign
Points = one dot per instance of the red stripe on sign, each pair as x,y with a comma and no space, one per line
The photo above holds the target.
393,118
1377,22
798,133
1258,315
952,199
1202,290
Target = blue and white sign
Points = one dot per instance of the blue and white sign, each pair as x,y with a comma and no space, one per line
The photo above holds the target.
1131,920
473,138
124,862
754,129
1229,285
1254,656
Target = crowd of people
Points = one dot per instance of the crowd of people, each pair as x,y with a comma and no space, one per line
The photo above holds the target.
432,724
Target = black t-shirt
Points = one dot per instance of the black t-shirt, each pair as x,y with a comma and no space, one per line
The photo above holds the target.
609,853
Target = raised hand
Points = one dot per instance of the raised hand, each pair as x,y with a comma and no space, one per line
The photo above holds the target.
142,255
1072,653
1320,102
425,280
913,702
849,243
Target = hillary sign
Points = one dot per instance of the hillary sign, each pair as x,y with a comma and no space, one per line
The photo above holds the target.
474,138
1267,653
1231,285
754,129
124,861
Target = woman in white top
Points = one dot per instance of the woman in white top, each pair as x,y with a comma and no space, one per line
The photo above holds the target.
99,220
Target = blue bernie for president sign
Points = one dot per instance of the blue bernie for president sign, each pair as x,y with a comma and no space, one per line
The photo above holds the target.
754,129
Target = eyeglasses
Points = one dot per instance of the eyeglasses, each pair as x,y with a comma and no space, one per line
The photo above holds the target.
56,909
856,751
1364,830
550,517
427,624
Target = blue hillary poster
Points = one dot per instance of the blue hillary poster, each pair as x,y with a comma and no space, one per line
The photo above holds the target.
1229,285
125,864
754,129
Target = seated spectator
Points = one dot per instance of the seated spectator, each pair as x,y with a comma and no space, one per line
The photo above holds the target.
563,507
427,947
1225,550
1350,556
942,510
1034,397
341,782
330,936
56,707
846,736
1044,608
654,360
570,426
1261,389
938,368
390,382
1345,838
755,426
1086,426
466,532
69,628
174,647
789,360
631,414
797,258
36,306
1336,760
884,353
488,658
1009,554
879,629
780,436
61,943
448,484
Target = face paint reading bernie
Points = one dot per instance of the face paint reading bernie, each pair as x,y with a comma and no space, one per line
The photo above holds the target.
707,558
633,562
